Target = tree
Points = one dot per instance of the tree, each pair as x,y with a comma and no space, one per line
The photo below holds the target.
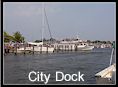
108,42
104,42
52,39
97,41
7,37
18,37
89,41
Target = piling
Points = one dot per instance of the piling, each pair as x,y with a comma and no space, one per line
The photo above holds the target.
71,47
75,47
68,47
65,47
47,49
41,49
33,49
7,50
57,48
15,49
24,48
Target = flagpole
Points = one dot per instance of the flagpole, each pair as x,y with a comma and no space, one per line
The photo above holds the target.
42,20
111,56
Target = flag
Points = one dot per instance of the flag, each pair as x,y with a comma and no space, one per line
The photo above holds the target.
113,45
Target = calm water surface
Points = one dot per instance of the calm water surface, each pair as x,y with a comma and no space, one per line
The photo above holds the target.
17,67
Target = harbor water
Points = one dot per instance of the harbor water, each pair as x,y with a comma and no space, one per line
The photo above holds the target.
17,67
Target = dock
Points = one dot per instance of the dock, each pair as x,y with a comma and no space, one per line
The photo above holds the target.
31,47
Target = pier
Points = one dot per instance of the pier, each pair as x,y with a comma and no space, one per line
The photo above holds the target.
27,48
45,47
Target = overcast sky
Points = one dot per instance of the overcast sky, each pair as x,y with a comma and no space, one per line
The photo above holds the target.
92,21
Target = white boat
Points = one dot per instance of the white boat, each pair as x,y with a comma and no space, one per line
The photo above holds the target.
40,47
72,45
109,72
22,49
84,46
102,46
43,49
36,47
64,46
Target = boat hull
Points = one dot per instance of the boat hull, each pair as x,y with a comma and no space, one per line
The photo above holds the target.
85,48
43,49
36,49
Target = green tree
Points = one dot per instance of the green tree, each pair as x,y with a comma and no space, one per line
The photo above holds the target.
7,37
18,37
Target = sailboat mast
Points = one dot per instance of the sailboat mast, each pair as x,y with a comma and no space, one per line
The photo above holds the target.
47,23
42,20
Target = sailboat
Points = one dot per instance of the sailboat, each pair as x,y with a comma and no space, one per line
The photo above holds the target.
40,47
